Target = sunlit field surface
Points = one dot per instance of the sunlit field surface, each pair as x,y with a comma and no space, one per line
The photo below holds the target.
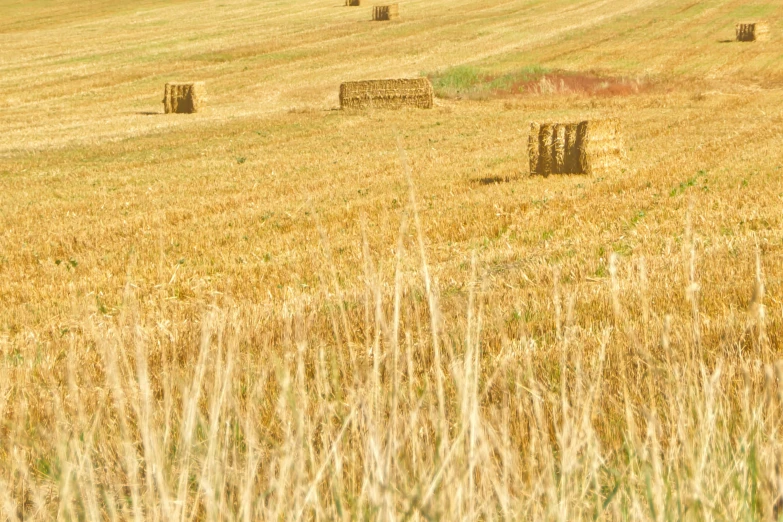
277,310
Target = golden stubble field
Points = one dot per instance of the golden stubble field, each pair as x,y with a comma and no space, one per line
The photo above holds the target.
277,310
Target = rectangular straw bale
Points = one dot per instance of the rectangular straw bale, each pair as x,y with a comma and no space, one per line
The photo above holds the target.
385,12
184,97
574,148
387,94
752,31
353,3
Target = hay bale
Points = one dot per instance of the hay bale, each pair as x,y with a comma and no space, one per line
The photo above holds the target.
385,12
752,31
386,94
182,97
574,148
353,3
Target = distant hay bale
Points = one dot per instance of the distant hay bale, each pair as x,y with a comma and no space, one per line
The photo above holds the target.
385,12
353,3
386,94
180,97
752,31
574,148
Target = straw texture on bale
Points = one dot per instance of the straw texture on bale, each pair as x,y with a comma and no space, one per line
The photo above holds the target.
533,146
752,31
184,97
574,148
385,12
353,3
386,94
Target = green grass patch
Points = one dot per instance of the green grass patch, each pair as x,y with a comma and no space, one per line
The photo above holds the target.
467,81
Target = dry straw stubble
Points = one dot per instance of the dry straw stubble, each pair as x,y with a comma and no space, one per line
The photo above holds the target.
752,31
385,12
574,148
387,94
184,97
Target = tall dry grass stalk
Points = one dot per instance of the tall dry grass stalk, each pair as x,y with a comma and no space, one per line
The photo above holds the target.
373,402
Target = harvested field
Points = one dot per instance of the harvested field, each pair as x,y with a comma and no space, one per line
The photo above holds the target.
385,12
183,97
752,32
586,147
386,94
273,310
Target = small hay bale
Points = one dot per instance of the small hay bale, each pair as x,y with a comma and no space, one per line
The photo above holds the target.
181,97
752,31
385,12
574,148
386,94
353,3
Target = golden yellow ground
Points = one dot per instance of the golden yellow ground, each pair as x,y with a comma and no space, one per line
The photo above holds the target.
93,175
256,201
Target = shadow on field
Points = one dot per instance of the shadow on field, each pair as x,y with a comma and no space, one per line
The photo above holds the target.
725,41
148,113
491,180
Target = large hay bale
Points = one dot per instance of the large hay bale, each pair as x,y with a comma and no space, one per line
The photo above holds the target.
182,97
574,148
385,12
386,94
752,31
353,3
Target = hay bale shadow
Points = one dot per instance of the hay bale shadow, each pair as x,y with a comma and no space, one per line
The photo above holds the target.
726,41
148,113
492,180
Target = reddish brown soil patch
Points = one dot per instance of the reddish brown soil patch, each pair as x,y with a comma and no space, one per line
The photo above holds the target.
581,83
